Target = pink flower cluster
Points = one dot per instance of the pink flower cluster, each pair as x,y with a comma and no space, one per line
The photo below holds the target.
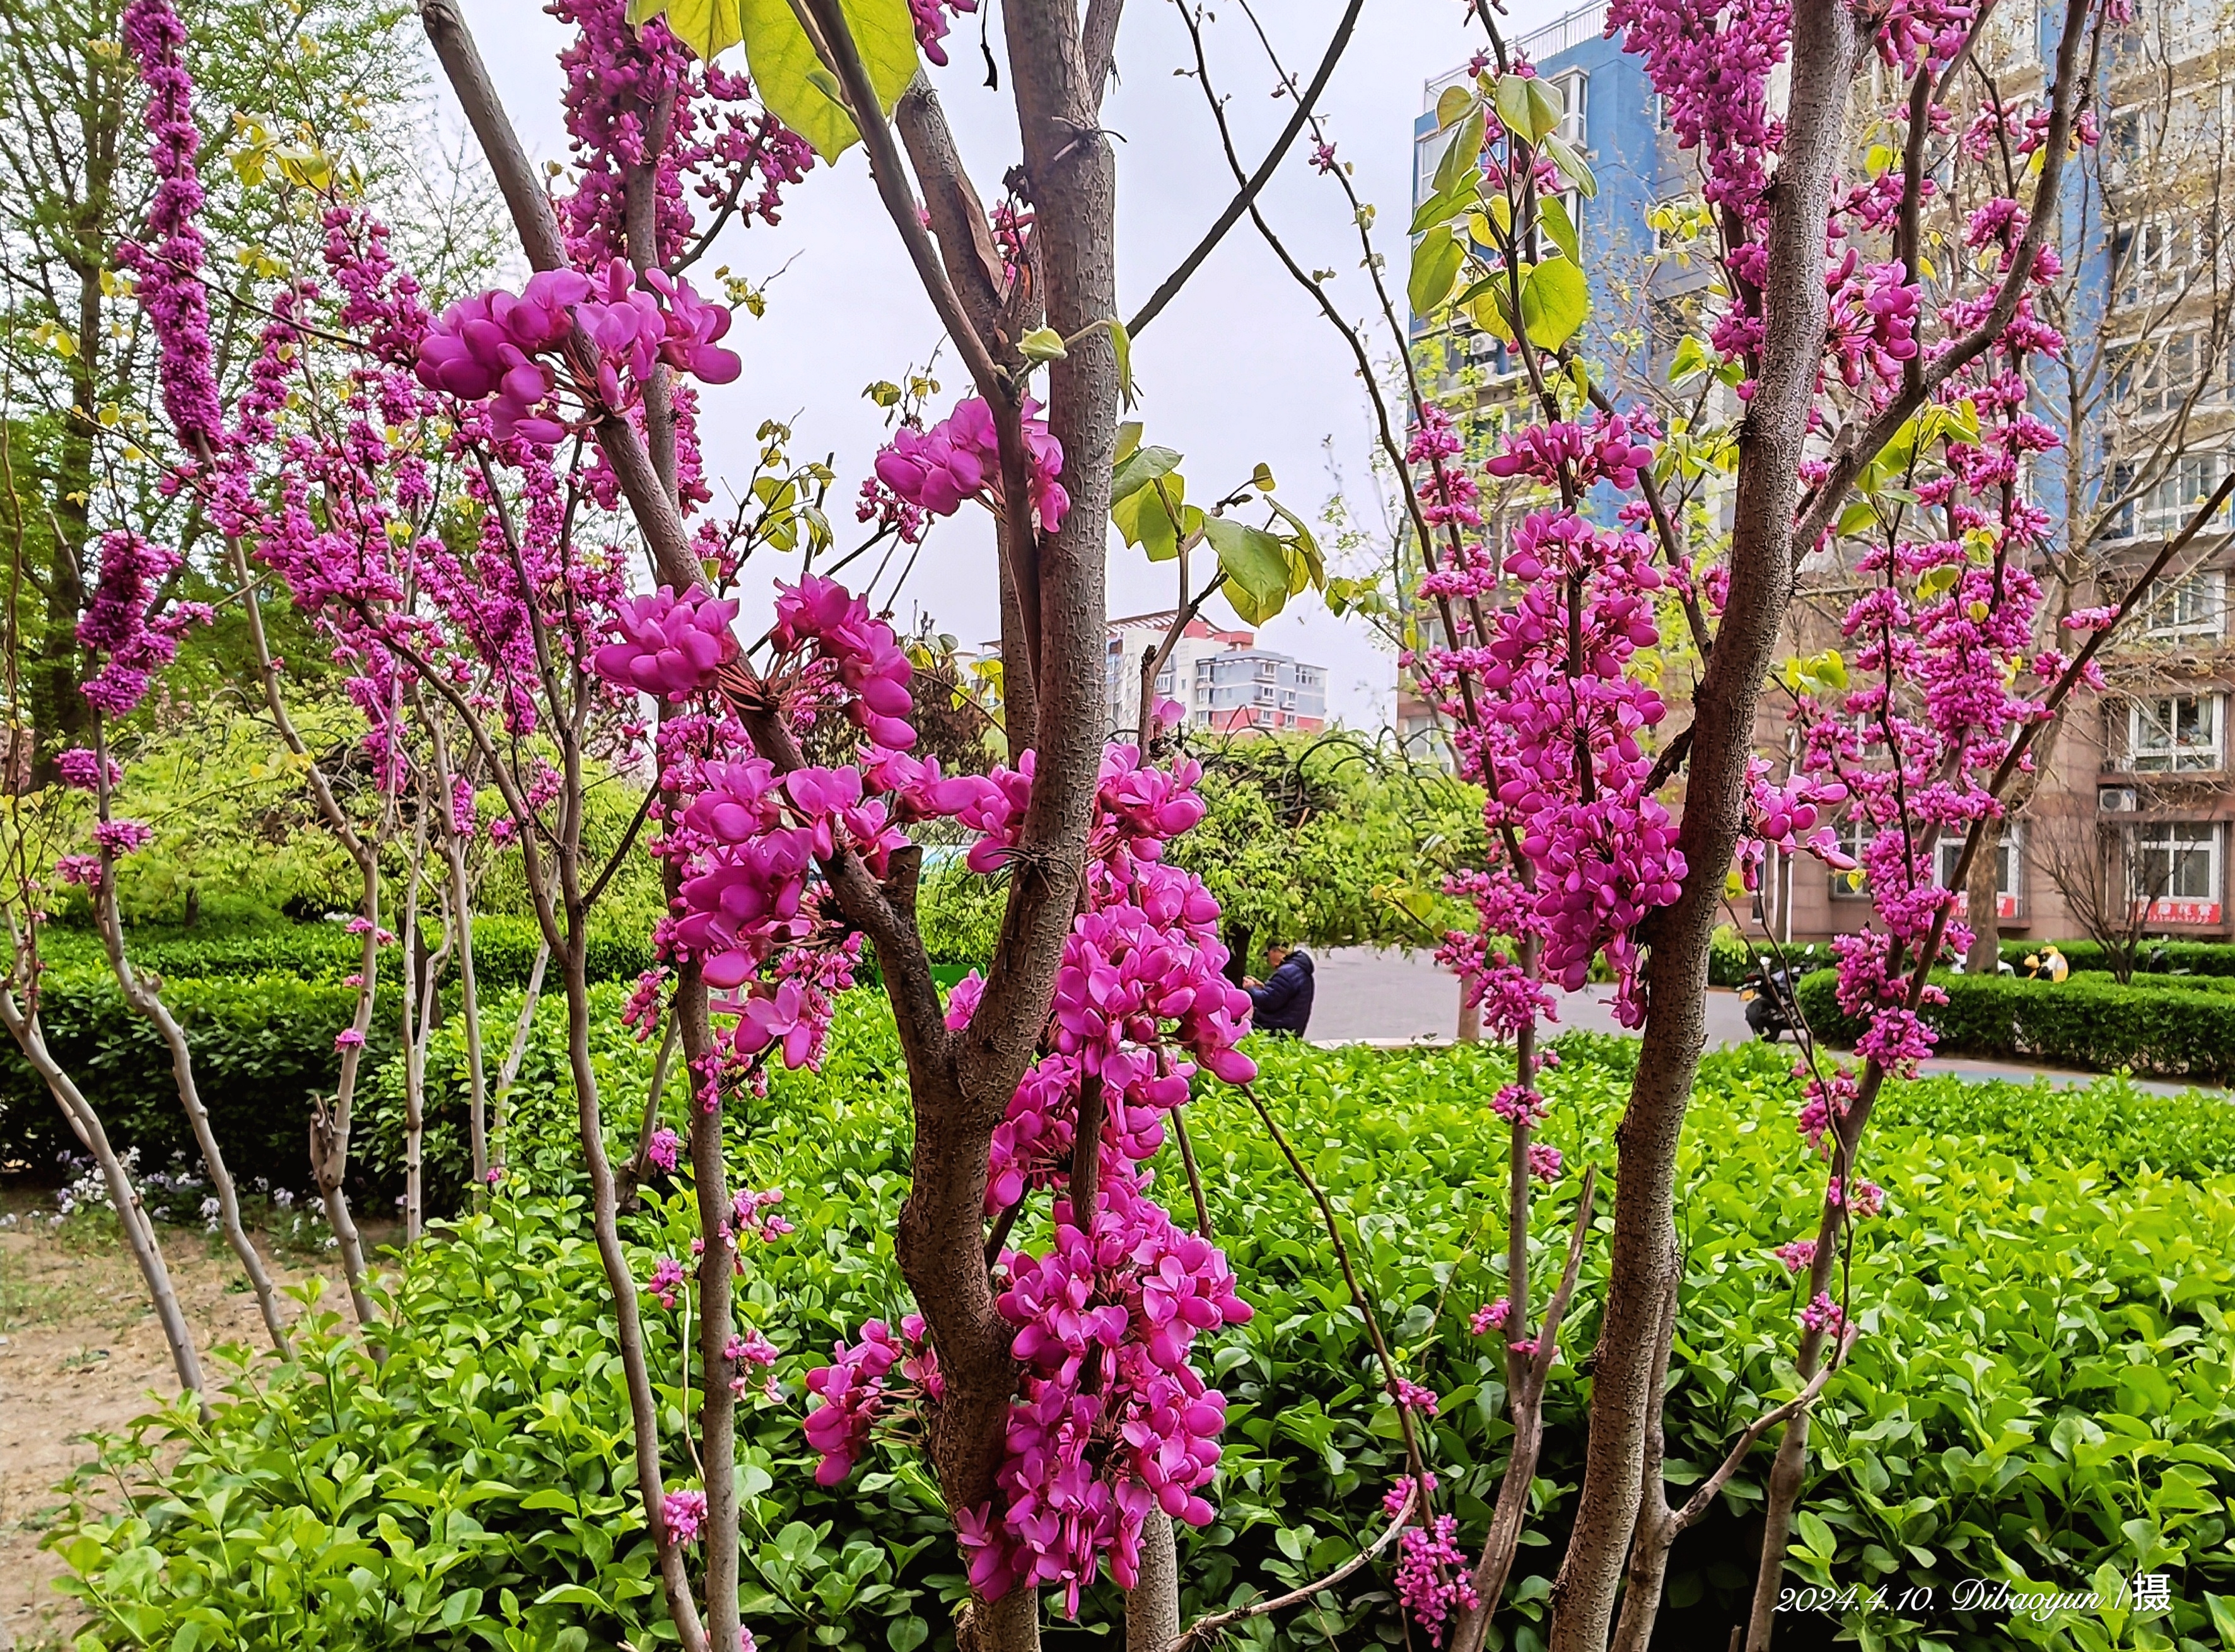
123,624
1557,737
755,1213
169,272
684,1514
747,1351
664,1149
669,646
122,837
81,768
1433,1576
1114,1419
486,348
930,18
821,617
1824,1314
960,458
667,1280
852,1388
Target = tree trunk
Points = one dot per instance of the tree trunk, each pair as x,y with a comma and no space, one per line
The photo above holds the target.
718,1401
1623,1402
329,1122
131,1215
414,1049
644,1405
1981,889
149,1004
1152,1605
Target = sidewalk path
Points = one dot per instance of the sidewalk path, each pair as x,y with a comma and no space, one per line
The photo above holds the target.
1363,995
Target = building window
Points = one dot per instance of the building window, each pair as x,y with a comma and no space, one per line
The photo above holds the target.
2008,891
2196,606
2013,37
2162,508
1854,838
2152,257
2158,376
2174,734
2122,142
2175,868
2171,30
1567,92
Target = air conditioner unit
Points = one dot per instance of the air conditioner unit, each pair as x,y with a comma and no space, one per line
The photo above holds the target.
2115,800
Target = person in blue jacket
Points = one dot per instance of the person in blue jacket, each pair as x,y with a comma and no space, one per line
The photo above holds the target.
1283,999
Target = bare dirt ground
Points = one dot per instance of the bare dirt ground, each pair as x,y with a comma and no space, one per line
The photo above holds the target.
80,1351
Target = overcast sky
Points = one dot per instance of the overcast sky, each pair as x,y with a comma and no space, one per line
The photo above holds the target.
1241,368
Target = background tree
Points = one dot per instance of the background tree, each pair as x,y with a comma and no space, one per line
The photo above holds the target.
294,87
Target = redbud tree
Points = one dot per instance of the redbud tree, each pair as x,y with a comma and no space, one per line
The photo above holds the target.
458,502
1882,382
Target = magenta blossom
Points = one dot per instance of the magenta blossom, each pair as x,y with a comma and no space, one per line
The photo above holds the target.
669,646
684,1514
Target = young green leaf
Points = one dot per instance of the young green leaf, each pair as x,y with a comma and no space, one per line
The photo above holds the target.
1555,303
1452,103
1560,226
1572,166
1142,466
1544,114
1513,103
786,71
1042,344
1466,152
1436,263
1121,342
1255,564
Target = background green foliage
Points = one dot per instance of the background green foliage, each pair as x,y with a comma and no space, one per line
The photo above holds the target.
2168,1025
2042,1390
1322,841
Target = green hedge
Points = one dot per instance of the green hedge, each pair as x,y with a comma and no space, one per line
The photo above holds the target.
2041,1391
260,1010
2187,957
1731,961
504,952
2086,1022
263,1045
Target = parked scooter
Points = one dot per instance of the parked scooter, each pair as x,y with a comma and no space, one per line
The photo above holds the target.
1767,994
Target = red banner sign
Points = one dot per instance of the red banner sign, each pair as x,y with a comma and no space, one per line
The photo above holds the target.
2184,912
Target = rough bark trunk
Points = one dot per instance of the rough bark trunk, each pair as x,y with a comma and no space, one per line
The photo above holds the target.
1152,1605
718,1403
1623,1405
149,1004
1980,891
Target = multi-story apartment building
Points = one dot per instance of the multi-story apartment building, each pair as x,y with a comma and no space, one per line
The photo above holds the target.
1224,681
2133,810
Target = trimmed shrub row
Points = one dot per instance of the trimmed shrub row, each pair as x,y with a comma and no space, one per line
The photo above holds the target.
263,1046
260,1010
2151,957
1729,961
2088,1022
504,952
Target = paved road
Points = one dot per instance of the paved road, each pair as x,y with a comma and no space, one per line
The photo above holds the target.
1363,993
